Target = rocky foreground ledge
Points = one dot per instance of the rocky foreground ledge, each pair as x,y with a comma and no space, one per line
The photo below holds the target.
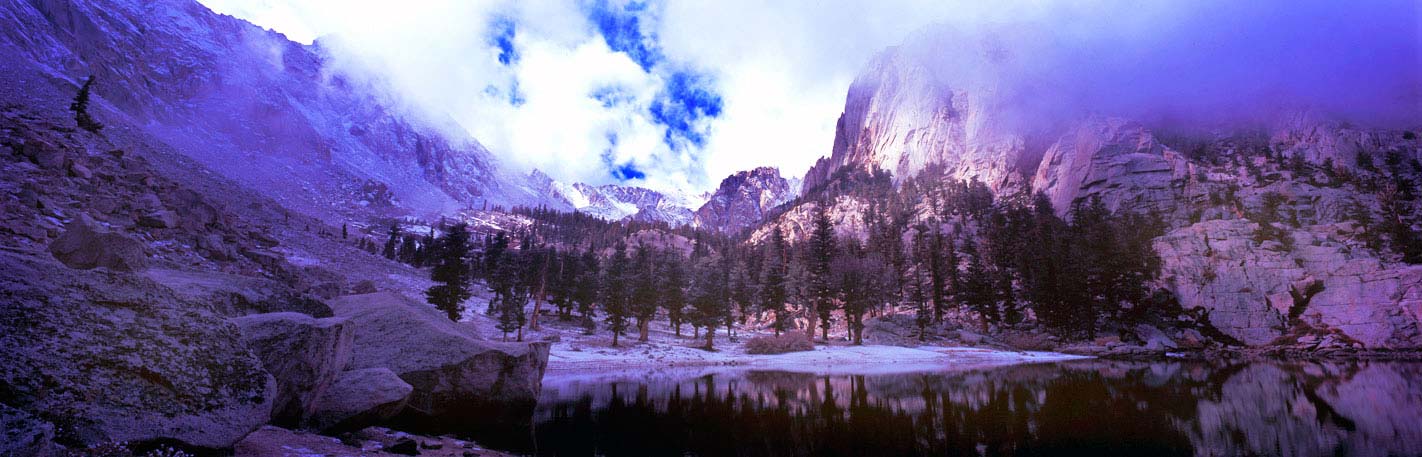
96,357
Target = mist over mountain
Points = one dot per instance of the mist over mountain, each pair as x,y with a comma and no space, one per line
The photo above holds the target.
1201,65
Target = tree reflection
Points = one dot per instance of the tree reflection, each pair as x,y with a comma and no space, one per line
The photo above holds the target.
1084,407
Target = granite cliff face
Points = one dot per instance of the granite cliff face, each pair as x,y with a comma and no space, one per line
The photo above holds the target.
743,199
900,117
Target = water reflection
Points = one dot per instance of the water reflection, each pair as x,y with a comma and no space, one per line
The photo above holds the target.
1082,407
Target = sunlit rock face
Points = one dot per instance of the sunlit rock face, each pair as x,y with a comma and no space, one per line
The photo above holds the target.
267,112
899,116
846,213
743,199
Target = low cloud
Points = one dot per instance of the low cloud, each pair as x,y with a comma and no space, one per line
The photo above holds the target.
677,95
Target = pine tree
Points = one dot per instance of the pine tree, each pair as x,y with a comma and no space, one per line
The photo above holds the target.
1046,273
709,299
494,251
644,289
742,293
673,286
451,271
80,107
392,241
919,298
513,294
585,292
563,280
1093,250
940,254
538,279
858,275
978,286
772,285
511,315
614,292
409,250
820,285
726,267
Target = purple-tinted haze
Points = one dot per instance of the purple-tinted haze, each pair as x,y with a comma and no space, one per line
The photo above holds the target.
1200,63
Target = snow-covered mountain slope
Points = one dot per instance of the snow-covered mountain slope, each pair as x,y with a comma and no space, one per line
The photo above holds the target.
743,199
253,106
615,203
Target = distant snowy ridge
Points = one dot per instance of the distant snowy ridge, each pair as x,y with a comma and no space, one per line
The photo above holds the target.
616,203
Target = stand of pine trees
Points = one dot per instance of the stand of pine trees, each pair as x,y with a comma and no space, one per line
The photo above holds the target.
997,262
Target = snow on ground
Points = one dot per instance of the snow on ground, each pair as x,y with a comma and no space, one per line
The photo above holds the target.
573,352
825,359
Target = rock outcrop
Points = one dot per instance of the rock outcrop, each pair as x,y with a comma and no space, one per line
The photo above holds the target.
901,116
111,357
448,367
1116,160
1254,291
304,354
85,244
743,199
359,398
846,213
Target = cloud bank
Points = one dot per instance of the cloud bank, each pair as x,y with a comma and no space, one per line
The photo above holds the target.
1197,64
677,95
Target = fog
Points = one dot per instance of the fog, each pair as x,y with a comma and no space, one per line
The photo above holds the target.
1195,64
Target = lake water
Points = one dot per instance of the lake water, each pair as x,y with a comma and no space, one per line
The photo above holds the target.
1085,407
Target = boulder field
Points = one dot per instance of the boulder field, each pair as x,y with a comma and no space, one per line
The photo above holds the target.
97,356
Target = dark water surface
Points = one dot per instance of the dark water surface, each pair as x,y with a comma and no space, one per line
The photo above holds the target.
1087,407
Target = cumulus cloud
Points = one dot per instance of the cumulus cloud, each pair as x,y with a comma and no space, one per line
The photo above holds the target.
677,95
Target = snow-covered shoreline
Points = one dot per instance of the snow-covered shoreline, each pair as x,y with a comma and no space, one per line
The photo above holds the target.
824,359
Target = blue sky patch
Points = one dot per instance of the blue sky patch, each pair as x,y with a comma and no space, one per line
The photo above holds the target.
501,35
687,98
627,171
621,28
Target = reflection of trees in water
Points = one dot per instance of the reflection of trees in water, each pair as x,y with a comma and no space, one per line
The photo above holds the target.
1100,407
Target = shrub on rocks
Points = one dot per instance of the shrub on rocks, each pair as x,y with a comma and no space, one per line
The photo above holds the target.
786,342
